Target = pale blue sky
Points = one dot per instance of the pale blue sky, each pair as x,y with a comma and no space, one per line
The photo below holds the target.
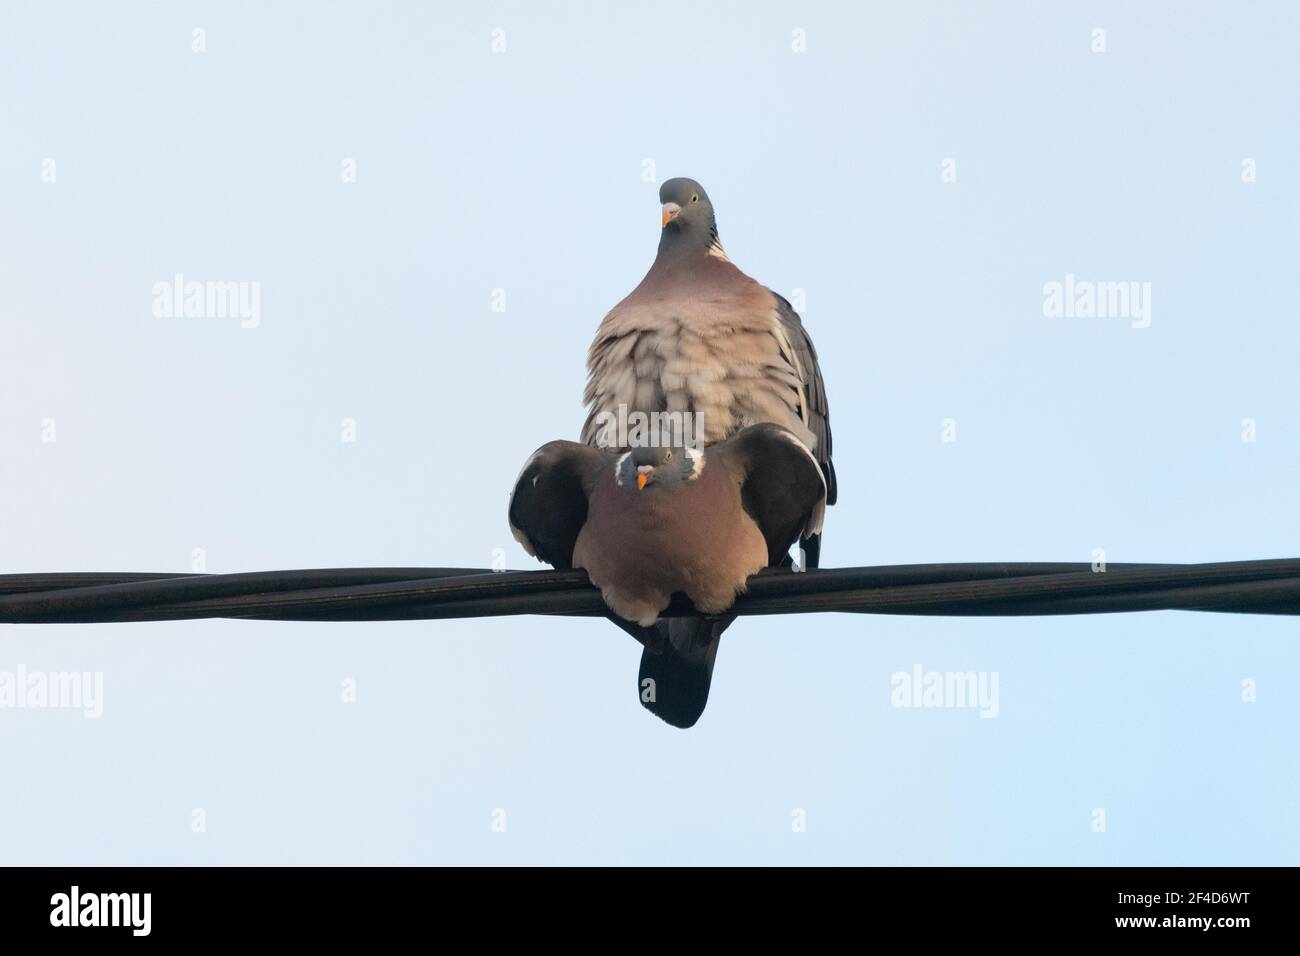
522,171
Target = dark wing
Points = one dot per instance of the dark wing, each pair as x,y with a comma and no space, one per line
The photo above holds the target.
814,390
782,486
549,504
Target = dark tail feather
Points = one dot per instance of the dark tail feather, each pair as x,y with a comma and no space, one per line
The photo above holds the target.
677,667
812,551
677,660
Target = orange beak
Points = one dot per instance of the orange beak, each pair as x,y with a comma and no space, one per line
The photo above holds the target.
641,479
671,209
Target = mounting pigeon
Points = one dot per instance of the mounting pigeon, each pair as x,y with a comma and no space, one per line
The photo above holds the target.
699,336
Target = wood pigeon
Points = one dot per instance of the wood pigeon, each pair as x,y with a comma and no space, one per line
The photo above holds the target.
699,336
654,521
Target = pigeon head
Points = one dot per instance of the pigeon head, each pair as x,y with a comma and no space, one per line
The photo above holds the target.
688,220
662,468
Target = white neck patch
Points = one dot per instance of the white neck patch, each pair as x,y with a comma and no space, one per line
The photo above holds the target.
697,461
618,468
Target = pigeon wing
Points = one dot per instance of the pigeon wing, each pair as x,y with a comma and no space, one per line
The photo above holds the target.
782,485
548,506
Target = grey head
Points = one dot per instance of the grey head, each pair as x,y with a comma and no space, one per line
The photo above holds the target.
688,220
659,468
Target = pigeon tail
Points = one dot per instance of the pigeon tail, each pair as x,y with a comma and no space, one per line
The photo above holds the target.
812,551
677,667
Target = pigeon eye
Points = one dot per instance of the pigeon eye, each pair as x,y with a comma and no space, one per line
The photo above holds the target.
695,197
668,456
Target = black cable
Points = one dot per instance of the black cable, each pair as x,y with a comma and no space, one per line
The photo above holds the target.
373,594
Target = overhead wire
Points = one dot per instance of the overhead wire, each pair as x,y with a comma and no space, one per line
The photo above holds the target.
376,594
